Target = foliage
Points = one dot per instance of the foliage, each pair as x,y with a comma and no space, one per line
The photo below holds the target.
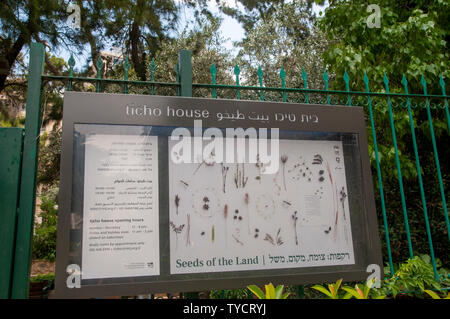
412,40
284,39
43,277
230,294
362,291
271,292
44,239
414,275
333,290
49,158
435,295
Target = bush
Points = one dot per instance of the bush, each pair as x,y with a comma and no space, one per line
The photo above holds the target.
44,239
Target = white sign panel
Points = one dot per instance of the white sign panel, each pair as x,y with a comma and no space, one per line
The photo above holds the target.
120,220
232,217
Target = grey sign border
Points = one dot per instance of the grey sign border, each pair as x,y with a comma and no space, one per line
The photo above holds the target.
102,108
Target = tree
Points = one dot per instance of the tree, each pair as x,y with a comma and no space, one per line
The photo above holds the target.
26,21
284,39
413,39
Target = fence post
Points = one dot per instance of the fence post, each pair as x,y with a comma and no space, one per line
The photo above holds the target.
185,69
25,218
10,161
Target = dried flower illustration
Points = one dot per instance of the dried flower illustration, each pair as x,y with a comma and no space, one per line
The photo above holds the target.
237,240
209,162
186,185
300,170
188,231
342,199
224,177
319,192
213,234
240,180
205,203
317,159
225,215
177,202
334,191
294,220
247,202
278,241
177,230
284,159
260,166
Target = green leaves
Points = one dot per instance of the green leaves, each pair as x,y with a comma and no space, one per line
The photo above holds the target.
271,292
333,289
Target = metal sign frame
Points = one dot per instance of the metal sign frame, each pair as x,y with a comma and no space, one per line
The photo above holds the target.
99,108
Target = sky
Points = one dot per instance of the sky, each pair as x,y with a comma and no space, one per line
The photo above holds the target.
230,30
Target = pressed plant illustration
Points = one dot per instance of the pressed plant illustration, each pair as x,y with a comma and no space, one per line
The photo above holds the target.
300,170
225,216
213,234
284,159
177,202
260,167
177,230
188,230
205,202
209,162
334,192
240,180
186,185
294,221
317,160
265,206
224,177
247,202
237,240
205,205
343,195
277,241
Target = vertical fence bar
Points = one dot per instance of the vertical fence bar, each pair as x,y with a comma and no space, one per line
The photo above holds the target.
442,83
10,163
399,169
260,79
419,175
213,71
177,77
305,84
237,71
71,64
436,156
126,67
283,83
99,66
325,80
380,179
152,76
25,218
185,69
347,88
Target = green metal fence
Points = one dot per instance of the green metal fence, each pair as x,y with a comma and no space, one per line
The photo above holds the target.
387,113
